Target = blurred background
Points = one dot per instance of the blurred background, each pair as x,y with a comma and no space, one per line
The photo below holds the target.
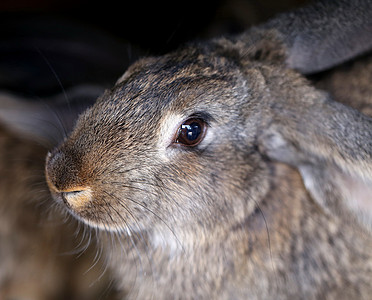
49,44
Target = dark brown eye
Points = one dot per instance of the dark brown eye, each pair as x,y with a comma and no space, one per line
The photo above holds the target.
191,132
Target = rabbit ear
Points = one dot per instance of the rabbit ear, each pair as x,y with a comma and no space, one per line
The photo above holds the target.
46,121
331,145
325,33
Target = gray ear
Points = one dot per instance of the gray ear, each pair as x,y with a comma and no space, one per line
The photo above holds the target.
46,121
325,33
331,146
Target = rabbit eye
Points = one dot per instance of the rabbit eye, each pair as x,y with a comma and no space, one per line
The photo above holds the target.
191,132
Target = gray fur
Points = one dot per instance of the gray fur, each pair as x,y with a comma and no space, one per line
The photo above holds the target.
325,33
231,218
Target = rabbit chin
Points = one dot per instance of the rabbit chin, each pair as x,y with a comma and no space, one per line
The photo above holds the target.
163,238
101,225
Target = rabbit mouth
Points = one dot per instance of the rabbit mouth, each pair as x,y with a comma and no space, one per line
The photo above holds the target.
78,204
74,199
81,204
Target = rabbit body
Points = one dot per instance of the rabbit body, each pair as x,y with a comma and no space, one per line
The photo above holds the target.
260,209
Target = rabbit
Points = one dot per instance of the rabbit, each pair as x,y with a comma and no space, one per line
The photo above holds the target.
219,171
39,245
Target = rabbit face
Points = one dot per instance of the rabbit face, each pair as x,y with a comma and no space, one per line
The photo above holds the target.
133,161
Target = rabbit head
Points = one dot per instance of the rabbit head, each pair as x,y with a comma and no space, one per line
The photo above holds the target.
243,101
158,147
186,147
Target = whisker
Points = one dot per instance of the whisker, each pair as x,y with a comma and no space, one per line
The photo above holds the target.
123,185
121,217
98,256
96,259
137,233
163,188
54,74
65,96
268,240
56,115
130,238
119,201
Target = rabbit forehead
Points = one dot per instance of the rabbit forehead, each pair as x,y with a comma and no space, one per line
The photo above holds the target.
183,87
157,90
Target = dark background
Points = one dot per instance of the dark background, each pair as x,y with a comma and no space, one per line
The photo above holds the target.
49,44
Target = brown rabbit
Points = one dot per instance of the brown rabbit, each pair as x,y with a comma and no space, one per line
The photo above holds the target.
220,172
36,243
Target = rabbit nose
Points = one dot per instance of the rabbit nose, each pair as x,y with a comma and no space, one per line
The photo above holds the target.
65,181
77,197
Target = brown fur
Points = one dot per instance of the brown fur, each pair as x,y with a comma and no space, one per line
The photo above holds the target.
35,243
256,211
350,84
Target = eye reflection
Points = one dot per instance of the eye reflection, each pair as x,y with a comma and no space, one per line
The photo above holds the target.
191,132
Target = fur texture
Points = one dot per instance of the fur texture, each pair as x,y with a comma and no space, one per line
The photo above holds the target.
36,244
267,206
